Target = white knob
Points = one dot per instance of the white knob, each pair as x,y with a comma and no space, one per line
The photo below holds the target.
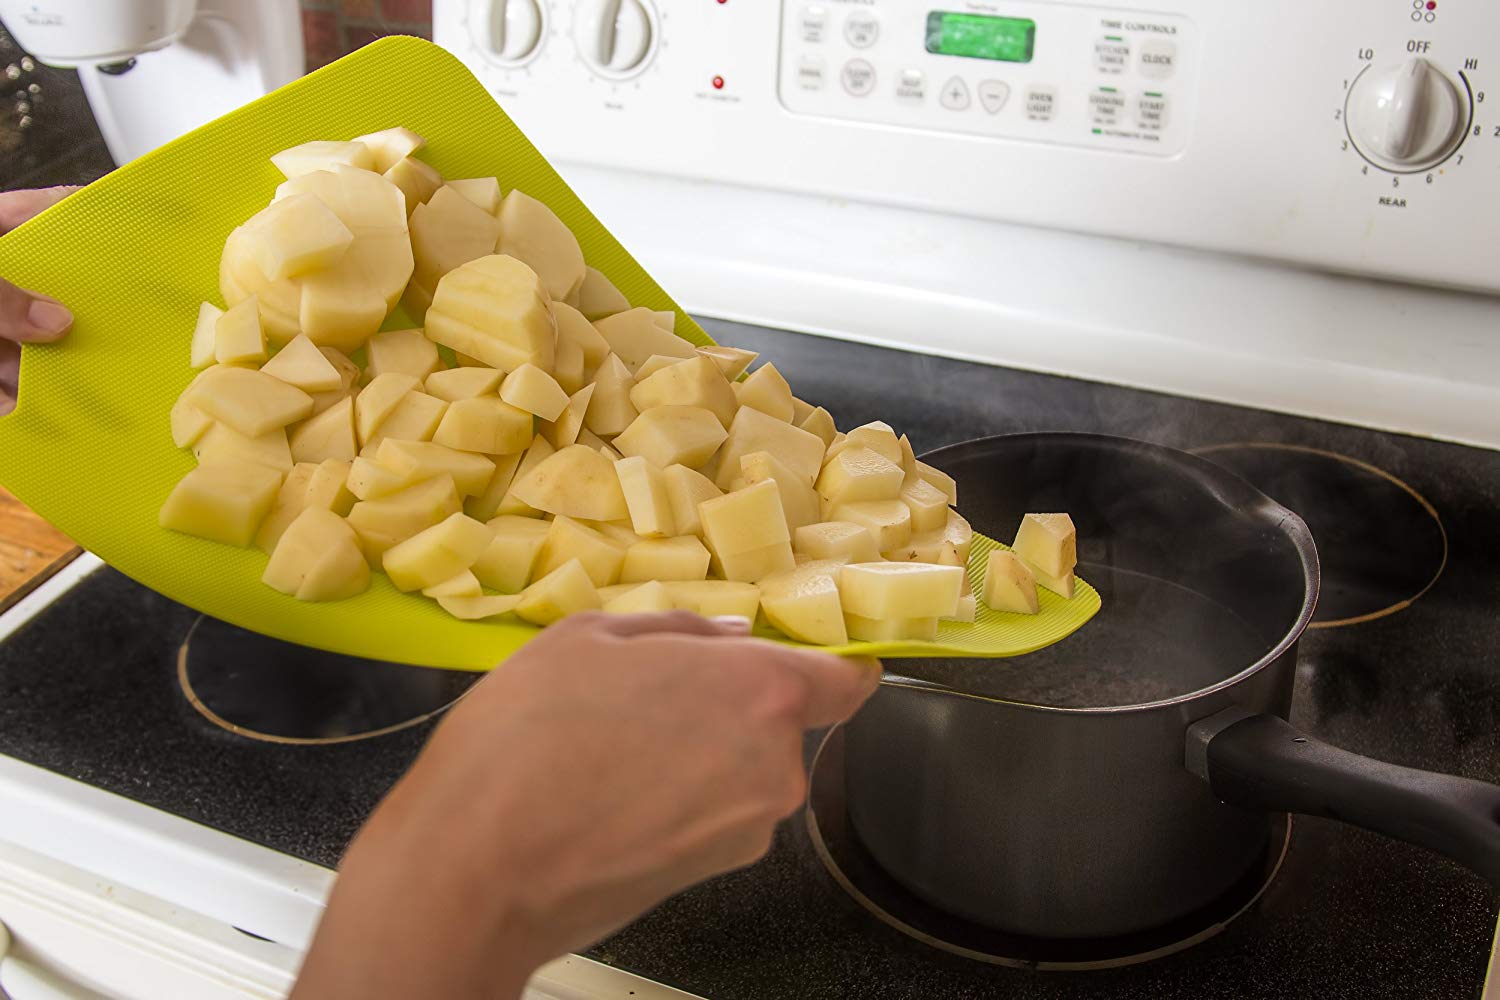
1406,117
614,36
507,31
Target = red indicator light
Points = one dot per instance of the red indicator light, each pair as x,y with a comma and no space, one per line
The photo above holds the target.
719,80
1432,4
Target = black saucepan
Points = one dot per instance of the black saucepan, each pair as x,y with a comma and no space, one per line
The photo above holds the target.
1128,775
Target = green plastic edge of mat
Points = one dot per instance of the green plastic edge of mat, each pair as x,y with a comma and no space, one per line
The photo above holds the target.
74,451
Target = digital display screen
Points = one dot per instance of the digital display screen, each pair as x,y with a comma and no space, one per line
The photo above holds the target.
980,36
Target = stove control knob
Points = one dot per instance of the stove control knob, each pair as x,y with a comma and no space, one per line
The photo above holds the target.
1408,117
615,37
508,32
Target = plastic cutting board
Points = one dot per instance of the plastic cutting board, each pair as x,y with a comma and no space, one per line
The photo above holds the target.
133,254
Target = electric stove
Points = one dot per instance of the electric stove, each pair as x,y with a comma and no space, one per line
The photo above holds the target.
1401,664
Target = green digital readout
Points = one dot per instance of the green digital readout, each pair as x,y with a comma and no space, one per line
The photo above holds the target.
980,36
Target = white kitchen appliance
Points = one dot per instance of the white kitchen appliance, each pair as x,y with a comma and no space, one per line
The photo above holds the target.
1281,204
155,69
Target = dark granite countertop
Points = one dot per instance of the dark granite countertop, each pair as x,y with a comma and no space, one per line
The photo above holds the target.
88,690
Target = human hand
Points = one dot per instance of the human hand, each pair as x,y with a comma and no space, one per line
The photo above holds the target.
25,317
612,762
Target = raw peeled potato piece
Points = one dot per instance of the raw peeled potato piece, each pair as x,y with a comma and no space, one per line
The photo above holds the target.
529,443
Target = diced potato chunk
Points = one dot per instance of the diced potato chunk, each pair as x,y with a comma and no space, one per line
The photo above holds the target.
364,201
326,436
416,418
574,328
681,558
567,363
507,563
597,297
378,400
408,352
189,423
437,553
908,458
1009,584
732,361
564,431
348,375
318,559
221,502
369,480
859,473
900,590
747,533
610,409
843,541
686,489
296,235
877,436
754,431
820,423
1048,542
485,424
539,451
941,480
390,520
390,146
967,611
301,364
594,441
533,390
340,308
568,540
482,191
798,500
863,629
279,302
564,591
620,531
224,445
646,597
486,505
1063,585
479,608
646,497
328,488
801,410
529,231
447,232
494,309
950,546
204,339
322,155
290,501
804,603
465,584
715,598
416,180
237,335
673,435
455,384
654,364
576,481
888,521
634,336
768,392
694,382
666,319
424,459
927,503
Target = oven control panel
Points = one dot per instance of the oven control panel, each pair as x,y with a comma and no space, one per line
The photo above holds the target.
1352,135
1094,77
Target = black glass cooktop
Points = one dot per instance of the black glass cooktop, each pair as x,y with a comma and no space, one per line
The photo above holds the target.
1402,665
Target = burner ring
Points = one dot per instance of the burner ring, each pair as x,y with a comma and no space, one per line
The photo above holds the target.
850,866
263,689
1320,487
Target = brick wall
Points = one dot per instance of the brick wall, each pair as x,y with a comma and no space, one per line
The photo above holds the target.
332,28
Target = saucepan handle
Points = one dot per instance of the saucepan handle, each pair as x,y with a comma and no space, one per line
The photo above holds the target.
1263,762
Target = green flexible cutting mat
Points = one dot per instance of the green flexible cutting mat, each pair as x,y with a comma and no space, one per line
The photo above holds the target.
133,254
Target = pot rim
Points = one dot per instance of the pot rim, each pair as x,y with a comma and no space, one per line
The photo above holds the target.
1231,490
